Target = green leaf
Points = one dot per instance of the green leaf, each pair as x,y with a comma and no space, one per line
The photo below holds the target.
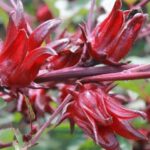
139,123
89,145
51,5
7,135
138,86
3,17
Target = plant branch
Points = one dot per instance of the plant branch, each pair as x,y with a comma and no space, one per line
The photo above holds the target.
5,145
142,3
64,74
125,75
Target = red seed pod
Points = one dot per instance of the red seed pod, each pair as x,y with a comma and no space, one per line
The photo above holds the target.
113,38
101,117
22,54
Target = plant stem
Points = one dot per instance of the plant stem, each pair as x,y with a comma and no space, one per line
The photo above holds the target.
117,76
5,145
141,68
142,3
64,74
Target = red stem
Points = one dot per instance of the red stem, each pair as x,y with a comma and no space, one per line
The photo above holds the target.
142,3
64,74
5,145
117,76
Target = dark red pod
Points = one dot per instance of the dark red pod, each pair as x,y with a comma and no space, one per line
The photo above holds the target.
21,54
113,38
101,117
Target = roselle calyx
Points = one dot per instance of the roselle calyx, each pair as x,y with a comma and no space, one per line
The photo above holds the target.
22,53
112,39
100,116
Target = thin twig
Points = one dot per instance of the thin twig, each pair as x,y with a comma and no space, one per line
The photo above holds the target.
142,3
5,145
117,77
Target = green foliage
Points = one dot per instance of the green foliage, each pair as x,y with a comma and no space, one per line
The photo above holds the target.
89,145
138,86
61,138
7,135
